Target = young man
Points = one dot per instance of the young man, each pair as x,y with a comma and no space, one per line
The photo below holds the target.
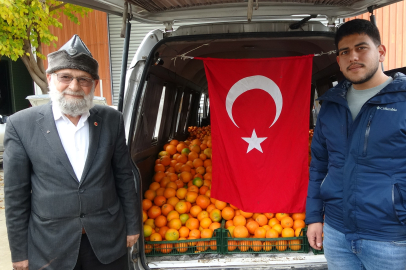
358,173
69,189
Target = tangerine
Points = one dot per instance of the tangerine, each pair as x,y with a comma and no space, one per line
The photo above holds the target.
159,200
227,213
215,215
184,232
146,204
154,211
261,219
150,194
256,245
298,224
239,220
272,233
279,216
175,224
160,221
240,232
172,201
288,232
195,210
295,245
203,201
206,233
192,223
166,208
205,223
172,235
169,192
260,233
252,226
287,222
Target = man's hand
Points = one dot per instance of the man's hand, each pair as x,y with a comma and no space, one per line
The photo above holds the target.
131,240
314,235
23,265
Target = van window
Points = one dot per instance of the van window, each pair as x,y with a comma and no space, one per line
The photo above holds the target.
179,112
159,118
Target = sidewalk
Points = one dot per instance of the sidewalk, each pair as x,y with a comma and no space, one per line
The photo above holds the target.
5,258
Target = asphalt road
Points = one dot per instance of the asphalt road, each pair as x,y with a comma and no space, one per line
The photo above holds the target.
5,256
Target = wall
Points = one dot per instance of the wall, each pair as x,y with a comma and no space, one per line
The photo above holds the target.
391,22
94,33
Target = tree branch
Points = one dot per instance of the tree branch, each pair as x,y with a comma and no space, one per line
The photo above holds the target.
56,7
41,83
40,62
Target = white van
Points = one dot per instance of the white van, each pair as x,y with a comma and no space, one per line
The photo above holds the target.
232,29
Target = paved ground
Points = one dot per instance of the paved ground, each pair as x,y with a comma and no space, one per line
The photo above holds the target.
5,256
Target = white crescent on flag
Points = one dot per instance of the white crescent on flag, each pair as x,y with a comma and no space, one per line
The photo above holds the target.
250,83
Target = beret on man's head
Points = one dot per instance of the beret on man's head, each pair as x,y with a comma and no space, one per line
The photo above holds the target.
73,55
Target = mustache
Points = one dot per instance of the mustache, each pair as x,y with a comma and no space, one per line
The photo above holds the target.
353,64
73,93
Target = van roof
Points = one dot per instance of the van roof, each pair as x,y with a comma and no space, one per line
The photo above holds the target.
160,11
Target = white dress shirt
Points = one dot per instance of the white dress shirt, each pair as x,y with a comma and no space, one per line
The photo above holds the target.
75,139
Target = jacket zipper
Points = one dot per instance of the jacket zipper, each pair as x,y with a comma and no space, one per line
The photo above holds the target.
393,201
367,131
323,180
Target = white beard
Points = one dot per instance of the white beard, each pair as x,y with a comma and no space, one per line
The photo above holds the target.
71,106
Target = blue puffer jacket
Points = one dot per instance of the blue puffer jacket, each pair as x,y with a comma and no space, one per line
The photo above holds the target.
358,168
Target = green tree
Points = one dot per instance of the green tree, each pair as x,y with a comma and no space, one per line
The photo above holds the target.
24,28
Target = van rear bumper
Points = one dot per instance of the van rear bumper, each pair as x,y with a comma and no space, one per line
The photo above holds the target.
240,261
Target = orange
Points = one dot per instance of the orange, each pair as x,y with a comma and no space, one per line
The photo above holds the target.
175,224
281,245
200,170
173,163
155,237
191,196
154,211
192,156
220,205
209,169
240,232
228,213
184,232
279,216
165,160
298,224
195,210
150,222
192,243
172,215
244,245
203,189
144,216
159,200
150,194
239,220
261,219
160,221
166,248
232,245
202,215
154,186
174,142
193,188
256,245
287,222
172,235
179,183
198,163
158,176
185,168
260,233
273,221
267,227
185,151
272,233
210,208
238,212
288,232
195,148
181,193
215,215
213,244
190,164
146,204
268,245
252,226
202,246
185,177
278,228
147,230
171,185
169,192
189,205
192,223
181,247
246,214
160,191
203,201
206,233
170,169
231,230
178,167
197,181
207,183
172,201
269,215
295,245
297,232
162,231
202,156
164,181
172,176
171,149
180,147
205,223
207,163
183,218
203,146
214,226
159,168
195,234
148,248
229,223
207,176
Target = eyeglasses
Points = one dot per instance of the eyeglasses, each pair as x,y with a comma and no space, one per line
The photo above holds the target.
67,79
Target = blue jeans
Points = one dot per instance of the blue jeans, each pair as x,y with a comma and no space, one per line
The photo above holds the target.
342,254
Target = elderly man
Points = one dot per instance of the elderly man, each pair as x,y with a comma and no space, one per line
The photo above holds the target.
69,189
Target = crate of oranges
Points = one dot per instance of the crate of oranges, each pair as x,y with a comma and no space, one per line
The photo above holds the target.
266,233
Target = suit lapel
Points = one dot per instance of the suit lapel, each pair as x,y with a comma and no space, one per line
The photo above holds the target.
48,128
95,127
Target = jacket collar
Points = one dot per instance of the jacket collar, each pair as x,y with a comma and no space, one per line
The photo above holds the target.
393,92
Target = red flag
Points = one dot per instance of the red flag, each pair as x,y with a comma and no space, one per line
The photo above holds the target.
259,111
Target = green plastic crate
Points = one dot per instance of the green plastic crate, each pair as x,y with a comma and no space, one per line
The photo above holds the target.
184,247
317,252
264,245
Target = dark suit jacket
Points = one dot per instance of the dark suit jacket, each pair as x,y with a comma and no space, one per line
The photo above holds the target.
46,205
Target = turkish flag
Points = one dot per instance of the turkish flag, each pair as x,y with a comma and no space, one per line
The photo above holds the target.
259,111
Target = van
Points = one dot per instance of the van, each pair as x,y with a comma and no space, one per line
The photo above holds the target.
166,91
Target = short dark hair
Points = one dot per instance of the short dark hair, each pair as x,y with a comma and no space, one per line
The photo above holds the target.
358,26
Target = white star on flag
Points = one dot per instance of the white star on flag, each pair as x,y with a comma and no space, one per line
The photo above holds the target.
254,142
